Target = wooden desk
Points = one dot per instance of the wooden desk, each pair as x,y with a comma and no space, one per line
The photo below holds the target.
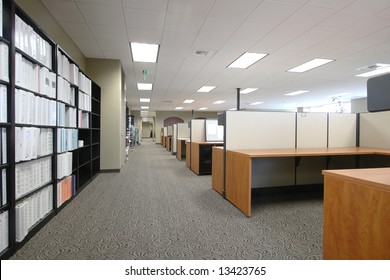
239,164
217,169
201,157
357,214
181,149
169,143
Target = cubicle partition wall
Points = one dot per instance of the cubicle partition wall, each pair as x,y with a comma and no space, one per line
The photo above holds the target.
165,135
174,139
375,130
182,136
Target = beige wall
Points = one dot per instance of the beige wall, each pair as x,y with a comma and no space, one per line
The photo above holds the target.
123,117
38,12
107,74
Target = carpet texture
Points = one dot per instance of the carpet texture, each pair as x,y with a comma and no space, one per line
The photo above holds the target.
156,208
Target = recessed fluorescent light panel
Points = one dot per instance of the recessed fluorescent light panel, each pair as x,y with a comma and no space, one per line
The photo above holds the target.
232,109
188,101
296,92
145,107
178,108
203,109
376,72
246,60
310,65
219,102
144,100
256,103
248,90
142,52
144,86
206,89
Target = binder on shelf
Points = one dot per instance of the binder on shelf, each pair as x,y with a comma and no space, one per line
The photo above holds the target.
32,142
32,175
64,165
66,139
4,227
1,24
3,104
3,145
27,40
66,189
4,199
31,210
4,63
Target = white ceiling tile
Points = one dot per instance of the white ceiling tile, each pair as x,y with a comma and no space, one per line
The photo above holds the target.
144,35
385,13
175,51
331,4
214,26
383,33
114,46
273,13
251,30
339,22
178,39
283,34
183,23
190,7
209,42
367,7
101,2
313,37
233,9
154,5
292,49
104,32
144,19
308,17
101,14
63,11
77,30
367,26
89,48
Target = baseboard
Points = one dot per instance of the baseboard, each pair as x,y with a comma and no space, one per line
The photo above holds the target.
110,170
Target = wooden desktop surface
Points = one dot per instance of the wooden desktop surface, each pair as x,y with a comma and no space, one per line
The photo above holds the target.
357,214
239,167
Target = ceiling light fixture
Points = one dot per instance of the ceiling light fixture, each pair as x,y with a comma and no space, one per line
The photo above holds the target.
314,63
178,108
142,52
296,92
144,100
248,90
376,72
219,102
256,103
188,101
206,89
144,86
203,109
246,60
145,107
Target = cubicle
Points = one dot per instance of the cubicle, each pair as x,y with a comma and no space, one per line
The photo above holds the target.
280,149
200,161
168,141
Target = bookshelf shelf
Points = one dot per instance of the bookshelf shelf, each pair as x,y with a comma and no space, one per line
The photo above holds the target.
47,169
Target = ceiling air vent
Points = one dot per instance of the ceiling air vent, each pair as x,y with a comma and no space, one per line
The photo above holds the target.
167,101
202,53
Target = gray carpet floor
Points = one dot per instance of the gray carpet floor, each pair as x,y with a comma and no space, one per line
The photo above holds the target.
156,208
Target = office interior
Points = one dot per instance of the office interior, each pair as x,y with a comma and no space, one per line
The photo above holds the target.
264,108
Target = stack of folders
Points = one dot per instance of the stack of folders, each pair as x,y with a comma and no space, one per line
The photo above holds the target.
3,231
31,210
3,104
85,84
84,101
34,110
3,183
64,165
67,139
32,175
66,93
32,142
27,40
66,116
65,190
3,145
4,72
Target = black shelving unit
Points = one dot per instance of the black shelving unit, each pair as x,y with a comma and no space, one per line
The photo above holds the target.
85,125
